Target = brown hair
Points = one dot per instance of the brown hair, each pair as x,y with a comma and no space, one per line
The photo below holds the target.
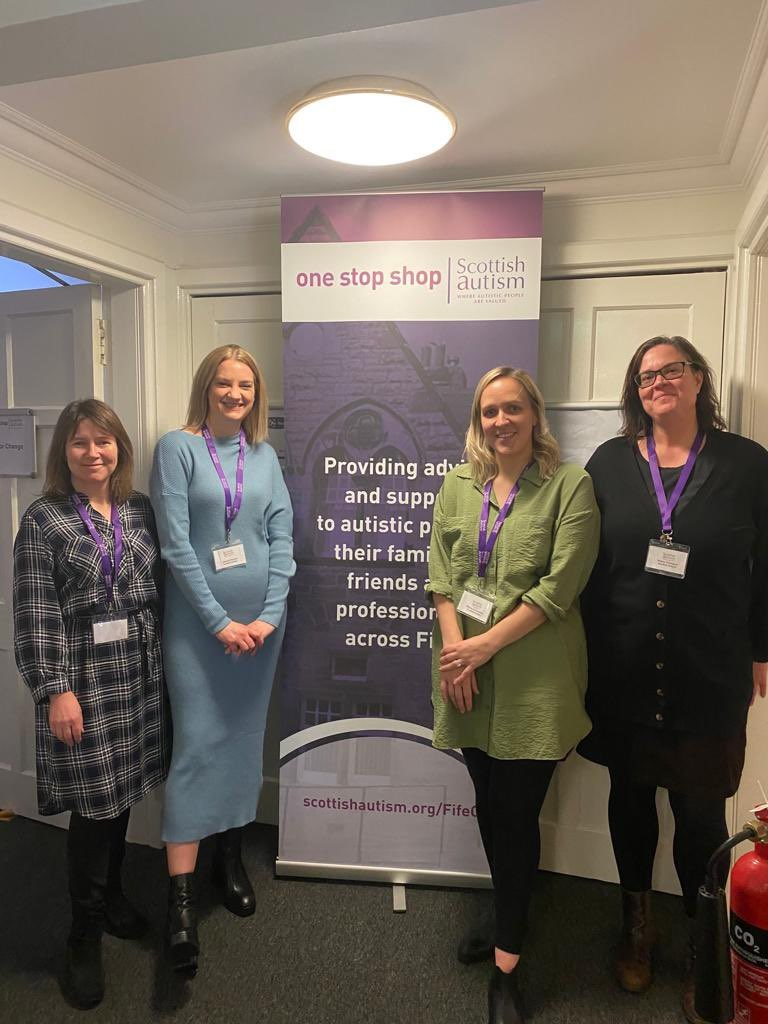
255,423
635,421
58,480
481,457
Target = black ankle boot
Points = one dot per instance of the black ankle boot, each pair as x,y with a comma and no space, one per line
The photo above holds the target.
477,943
228,872
183,944
505,1003
121,918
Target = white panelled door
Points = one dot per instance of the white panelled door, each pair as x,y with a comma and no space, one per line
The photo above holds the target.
254,322
589,330
49,355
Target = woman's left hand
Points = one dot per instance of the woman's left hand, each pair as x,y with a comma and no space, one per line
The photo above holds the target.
759,680
460,694
259,631
466,656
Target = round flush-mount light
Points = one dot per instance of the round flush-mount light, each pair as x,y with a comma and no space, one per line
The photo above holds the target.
370,121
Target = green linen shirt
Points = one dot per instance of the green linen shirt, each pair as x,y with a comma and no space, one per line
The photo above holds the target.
531,700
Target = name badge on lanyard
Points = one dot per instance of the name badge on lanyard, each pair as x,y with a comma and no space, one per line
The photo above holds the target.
109,628
232,552
666,558
477,601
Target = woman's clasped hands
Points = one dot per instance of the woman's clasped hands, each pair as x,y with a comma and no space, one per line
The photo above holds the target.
458,661
239,638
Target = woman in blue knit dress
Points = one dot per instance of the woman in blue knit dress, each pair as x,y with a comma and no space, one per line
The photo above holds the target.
225,525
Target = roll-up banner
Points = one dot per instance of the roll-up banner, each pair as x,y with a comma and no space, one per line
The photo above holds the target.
393,307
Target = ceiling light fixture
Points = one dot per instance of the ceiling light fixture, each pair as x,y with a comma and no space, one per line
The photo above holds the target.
370,121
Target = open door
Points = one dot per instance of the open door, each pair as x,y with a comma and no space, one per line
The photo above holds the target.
49,354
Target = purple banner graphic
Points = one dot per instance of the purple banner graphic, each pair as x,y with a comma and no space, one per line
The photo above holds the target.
375,416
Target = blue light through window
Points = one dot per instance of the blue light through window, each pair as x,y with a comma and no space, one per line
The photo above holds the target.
18,277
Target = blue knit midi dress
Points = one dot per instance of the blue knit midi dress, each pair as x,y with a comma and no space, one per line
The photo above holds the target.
218,701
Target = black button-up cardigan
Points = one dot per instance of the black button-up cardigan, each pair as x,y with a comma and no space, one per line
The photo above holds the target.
677,654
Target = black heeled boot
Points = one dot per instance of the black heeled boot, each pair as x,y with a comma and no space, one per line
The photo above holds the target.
87,858
505,1003
478,942
183,943
121,918
228,873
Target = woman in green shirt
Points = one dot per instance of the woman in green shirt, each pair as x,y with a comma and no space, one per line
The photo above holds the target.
514,538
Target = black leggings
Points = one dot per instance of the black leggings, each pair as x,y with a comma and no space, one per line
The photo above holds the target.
509,796
699,829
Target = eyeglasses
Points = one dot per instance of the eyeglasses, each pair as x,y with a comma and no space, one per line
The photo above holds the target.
669,372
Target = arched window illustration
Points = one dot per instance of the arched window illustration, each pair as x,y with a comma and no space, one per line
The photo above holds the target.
363,436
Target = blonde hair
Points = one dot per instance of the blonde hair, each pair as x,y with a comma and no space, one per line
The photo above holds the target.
255,423
58,479
481,457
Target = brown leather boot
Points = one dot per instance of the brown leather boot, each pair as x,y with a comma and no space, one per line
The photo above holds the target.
633,956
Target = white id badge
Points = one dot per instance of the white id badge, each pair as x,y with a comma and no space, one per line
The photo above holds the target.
110,630
227,556
476,606
667,559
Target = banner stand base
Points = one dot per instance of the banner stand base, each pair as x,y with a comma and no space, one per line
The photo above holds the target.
385,875
399,905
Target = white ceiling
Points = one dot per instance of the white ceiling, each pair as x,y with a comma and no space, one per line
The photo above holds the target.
542,90
17,12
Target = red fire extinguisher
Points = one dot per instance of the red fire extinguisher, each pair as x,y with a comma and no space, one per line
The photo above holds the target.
731,978
749,928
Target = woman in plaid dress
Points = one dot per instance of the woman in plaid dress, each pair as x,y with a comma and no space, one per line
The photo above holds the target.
87,643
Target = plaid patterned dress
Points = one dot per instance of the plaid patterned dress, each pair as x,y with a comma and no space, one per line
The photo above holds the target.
58,588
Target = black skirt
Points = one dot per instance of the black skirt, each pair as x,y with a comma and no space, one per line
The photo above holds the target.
678,761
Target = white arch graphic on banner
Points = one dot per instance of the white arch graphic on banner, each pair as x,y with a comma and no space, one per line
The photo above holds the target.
307,737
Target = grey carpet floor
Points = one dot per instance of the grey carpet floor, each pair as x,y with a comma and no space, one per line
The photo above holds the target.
318,952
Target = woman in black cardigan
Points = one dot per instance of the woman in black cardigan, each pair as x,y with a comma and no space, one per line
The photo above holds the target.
676,614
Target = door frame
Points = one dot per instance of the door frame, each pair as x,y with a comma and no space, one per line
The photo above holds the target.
749,381
136,310
194,284
133,284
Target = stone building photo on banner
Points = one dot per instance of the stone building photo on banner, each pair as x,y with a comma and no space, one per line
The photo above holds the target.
393,308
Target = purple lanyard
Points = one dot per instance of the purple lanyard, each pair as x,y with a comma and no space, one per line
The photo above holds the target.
667,507
109,568
231,508
485,540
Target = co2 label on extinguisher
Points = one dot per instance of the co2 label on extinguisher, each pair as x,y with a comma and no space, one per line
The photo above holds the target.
749,942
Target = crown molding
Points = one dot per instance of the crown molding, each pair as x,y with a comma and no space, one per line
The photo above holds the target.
37,146
43,149
746,87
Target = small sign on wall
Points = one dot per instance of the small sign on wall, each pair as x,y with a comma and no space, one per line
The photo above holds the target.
18,455
276,425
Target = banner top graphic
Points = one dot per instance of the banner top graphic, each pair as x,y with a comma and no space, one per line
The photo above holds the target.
412,216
